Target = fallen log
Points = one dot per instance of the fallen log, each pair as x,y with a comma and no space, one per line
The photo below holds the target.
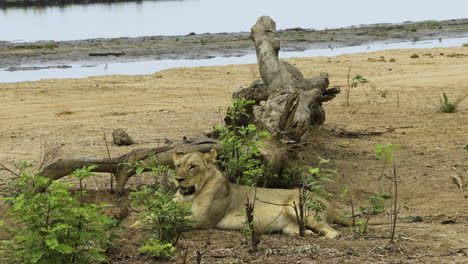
118,165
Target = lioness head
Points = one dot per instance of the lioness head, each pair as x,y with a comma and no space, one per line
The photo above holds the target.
193,170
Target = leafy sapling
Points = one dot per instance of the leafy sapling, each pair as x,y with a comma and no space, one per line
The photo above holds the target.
164,219
54,226
312,193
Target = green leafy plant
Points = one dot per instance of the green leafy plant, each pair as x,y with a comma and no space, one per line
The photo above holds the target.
164,219
311,195
357,80
203,41
360,227
240,157
377,203
156,248
445,106
20,182
385,154
54,226
240,153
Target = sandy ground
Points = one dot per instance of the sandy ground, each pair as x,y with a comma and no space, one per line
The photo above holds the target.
76,113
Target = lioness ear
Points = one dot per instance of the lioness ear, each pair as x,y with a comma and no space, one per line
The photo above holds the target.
177,155
210,156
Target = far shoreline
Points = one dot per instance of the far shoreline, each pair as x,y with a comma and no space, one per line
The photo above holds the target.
202,46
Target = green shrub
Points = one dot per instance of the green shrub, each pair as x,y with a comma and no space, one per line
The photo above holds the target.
447,107
377,203
156,248
317,192
164,219
54,226
240,146
21,182
240,153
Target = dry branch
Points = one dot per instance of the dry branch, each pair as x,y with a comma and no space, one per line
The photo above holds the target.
116,165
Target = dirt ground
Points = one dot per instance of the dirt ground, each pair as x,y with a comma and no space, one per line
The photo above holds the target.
394,108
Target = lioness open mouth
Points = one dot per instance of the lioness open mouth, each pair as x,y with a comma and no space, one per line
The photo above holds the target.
187,190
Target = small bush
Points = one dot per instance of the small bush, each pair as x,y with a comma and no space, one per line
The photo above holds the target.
240,146
377,203
53,226
240,153
447,107
156,248
165,219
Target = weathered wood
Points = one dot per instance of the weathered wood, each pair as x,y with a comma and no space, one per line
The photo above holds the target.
151,156
292,103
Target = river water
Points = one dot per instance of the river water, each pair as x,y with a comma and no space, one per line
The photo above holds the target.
179,17
149,67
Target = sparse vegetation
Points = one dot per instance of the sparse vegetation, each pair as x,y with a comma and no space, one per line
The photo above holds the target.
49,45
353,83
239,157
445,106
312,193
383,93
240,147
54,226
164,219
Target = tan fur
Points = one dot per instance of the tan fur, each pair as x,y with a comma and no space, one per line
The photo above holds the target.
216,203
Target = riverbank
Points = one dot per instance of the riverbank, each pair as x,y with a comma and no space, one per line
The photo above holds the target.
47,54
393,108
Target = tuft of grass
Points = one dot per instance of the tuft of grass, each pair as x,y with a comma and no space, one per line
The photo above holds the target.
50,45
413,28
445,106
203,41
465,45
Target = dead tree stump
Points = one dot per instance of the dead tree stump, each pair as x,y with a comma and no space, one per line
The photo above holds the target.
292,103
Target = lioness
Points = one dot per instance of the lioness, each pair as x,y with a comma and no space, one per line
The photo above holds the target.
217,203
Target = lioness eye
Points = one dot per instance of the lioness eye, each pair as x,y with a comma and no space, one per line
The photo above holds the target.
193,166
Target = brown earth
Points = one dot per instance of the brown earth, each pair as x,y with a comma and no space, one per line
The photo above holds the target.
394,108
